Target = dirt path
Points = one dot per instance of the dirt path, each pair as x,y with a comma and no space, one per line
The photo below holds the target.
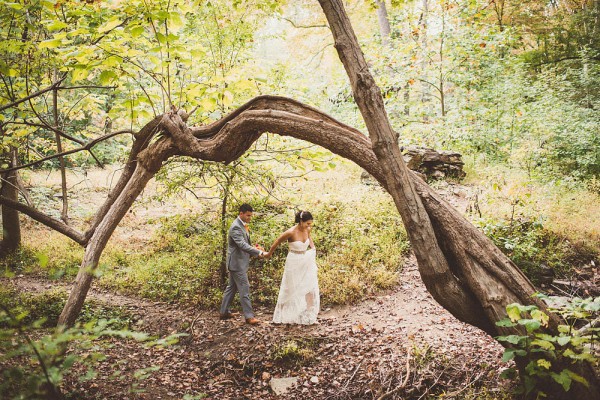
354,352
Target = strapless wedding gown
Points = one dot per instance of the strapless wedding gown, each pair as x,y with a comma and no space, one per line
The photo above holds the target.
298,301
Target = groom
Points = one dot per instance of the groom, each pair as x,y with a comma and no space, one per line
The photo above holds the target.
239,251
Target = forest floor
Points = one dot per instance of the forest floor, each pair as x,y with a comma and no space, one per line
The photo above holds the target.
399,344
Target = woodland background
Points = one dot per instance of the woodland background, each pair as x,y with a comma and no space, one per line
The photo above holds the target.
513,86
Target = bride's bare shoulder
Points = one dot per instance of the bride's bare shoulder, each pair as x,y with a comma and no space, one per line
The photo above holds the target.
289,234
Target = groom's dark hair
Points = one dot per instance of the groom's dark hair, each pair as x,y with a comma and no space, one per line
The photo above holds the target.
246,207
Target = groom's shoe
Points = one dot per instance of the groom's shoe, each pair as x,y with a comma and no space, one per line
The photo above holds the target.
228,315
252,321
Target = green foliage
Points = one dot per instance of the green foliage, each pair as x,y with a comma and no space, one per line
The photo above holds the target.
531,246
294,351
359,252
36,368
45,307
548,359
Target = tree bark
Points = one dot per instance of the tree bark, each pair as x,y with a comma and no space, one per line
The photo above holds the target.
11,226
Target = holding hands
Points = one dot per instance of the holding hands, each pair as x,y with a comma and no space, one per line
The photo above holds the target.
264,254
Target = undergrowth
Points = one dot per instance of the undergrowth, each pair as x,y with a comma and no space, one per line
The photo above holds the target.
359,252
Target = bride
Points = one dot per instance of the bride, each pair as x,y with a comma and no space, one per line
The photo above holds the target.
298,301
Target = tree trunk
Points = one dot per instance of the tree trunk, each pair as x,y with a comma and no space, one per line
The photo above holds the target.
64,215
384,23
223,267
482,278
11,226
396,174
98,241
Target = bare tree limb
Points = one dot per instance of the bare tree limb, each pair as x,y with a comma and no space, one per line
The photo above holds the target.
65,153
50,222
33,95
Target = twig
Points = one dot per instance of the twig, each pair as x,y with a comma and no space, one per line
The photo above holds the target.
434,383
354,373
452,394
403,385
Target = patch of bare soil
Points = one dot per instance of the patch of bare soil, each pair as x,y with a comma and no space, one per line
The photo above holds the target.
399,344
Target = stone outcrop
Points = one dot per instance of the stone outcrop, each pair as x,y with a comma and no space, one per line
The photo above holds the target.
430,163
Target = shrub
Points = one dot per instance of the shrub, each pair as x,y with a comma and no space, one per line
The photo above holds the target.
36,368
531,246
546,356
45,308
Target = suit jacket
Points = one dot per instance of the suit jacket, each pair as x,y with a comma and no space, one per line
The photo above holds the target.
239,248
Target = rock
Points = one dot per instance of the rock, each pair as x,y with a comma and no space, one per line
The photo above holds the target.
281,385
546,274
434,164
314,380
428,164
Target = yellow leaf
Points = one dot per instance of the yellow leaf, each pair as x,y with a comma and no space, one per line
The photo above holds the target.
110,24
49,44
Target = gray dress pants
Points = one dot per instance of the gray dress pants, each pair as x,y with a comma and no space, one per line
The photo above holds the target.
238,282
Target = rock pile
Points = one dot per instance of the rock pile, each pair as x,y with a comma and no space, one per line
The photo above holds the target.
433,164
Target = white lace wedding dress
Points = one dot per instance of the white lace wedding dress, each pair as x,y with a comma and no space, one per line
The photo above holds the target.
298,301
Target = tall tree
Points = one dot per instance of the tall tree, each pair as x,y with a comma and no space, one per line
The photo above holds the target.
429,243
11,227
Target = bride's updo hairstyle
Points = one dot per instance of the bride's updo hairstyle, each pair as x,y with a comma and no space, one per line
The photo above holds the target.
303,216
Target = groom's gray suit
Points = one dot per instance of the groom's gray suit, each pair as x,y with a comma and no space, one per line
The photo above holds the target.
239,251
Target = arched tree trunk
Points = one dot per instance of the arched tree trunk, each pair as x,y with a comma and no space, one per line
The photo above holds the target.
472,278
98,241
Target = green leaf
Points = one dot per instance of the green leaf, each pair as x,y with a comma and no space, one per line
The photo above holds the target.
69,361
506,323
80,73
175,21
562,340
577,378
137,31
540,316
56,26
513,339
514,312
544,364
544,344
509,354
563,379
106,77
530,324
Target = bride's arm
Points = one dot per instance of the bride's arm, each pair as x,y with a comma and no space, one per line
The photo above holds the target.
284,236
